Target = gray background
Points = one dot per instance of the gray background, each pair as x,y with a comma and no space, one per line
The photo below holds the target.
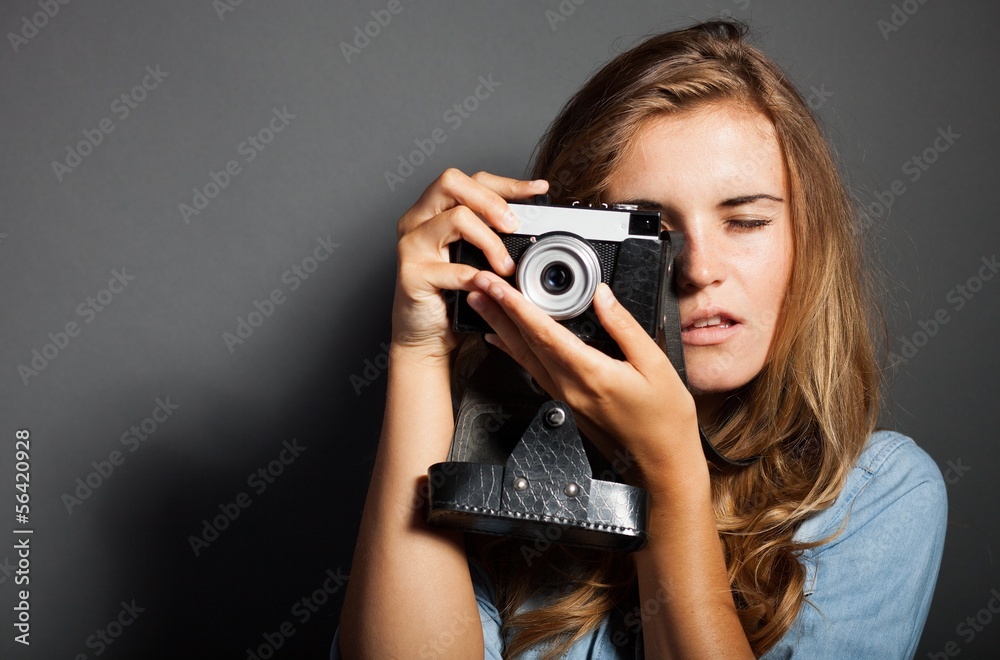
323,176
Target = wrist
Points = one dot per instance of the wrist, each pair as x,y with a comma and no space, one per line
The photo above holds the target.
674,467
413,355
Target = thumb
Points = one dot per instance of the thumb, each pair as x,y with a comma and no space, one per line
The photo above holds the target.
639,348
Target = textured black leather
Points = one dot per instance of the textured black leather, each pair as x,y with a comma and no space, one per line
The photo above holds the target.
637,279
547,459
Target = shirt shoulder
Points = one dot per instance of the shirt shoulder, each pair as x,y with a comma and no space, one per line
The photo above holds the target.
892,470
868,588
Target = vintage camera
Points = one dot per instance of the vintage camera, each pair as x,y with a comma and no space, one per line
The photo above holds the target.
563,252
518,465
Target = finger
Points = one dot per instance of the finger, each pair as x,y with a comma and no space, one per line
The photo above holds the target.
484,195
638,347
457,223
557,347
508,338
435,276
511,188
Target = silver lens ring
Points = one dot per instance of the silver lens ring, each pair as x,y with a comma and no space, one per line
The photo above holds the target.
578,271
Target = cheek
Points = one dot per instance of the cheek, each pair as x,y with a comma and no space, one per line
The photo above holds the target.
767,285
768,297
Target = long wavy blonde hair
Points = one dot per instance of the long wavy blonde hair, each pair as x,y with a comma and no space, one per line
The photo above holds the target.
814,404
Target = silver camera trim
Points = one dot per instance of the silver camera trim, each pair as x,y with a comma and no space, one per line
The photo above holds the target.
593,224
578,256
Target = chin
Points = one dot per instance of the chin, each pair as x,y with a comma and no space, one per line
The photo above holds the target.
703,381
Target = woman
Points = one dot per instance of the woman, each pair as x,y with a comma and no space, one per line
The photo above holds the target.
828,546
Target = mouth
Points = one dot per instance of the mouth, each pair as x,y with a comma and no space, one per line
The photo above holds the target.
717,321
707,330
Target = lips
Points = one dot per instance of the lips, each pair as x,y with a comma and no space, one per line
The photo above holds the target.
712,321
708,326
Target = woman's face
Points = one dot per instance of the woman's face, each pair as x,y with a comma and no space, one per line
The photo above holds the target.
716,173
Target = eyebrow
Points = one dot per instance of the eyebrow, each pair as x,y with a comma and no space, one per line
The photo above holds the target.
731,202
748,199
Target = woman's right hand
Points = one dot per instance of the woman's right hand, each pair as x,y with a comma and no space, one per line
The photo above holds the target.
455,206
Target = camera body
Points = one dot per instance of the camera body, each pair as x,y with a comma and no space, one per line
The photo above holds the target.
563,252
518,465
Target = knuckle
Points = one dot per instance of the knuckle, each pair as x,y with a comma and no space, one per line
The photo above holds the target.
403,227
542,339
451,177
522,353
464,215
406,248
459,220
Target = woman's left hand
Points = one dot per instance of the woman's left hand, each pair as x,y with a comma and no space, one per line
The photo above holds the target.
639,404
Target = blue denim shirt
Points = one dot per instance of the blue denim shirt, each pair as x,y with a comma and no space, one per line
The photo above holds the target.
867,591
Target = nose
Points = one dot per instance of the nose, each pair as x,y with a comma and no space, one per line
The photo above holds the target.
698,264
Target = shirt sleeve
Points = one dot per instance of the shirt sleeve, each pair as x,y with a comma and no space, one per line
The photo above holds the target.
869,589
488,614
335,646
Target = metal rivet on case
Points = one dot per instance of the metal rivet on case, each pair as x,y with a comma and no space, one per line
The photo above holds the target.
571,489
555,417
520,484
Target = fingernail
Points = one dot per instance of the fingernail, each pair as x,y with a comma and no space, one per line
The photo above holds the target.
475,302
510,221
539,183
490,338
603,294
496,291
508,263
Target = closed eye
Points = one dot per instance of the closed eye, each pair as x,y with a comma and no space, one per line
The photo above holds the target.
748,224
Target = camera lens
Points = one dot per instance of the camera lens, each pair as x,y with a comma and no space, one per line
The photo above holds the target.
559,273
557,278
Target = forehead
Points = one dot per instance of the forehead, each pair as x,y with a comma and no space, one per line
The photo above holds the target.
722,146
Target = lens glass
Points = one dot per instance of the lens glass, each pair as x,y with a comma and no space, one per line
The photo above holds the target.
559,273
557,278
